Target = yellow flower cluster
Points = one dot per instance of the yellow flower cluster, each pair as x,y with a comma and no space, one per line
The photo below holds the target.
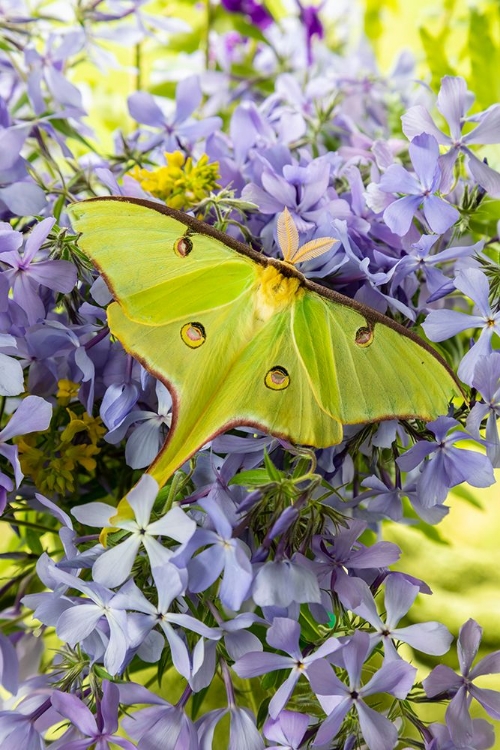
180,183
51,460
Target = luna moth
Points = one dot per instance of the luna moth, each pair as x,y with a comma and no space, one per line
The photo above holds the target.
242,339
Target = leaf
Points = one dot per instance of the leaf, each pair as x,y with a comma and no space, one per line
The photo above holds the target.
436,58
252,478
484,56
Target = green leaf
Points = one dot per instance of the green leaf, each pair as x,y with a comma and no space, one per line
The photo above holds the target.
437,60
197,701
262,713
274,474
484,58
33,541
252,478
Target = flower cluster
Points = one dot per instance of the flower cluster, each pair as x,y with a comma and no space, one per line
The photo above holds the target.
253,593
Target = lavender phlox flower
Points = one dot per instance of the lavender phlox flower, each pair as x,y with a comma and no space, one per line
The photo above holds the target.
121,376
453,102
223,553
145,442
287,729
395,677
32,415
99,730
159,726
26,276
283,581
179,131
25,725
311,22
483,737
49,68
340,556
282,183
256,12
444,681
11,371
442,466
444,324
385,500
114,566
238,640
283,635
170,583
420,259
419,190
487,382
248,129
429,637
19,194
243,734
9,667
82,617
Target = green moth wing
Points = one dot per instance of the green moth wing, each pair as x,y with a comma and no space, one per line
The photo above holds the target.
242,339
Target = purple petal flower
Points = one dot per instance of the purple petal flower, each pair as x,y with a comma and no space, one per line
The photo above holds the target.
284,635
114,566
395,677
429,637
443,324
453,102
448,466
420,190
287,729
442,680
487,382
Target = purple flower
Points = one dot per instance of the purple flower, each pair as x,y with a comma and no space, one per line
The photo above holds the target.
387,501
145,442
26,277
443,680
11,371
395,677
283,635
170,583
340,556
453,102
419,191
114,565
444,324
487,381
182,130
279,583
483,737
419,258
242,730
429,637
78,618
447,465
287,729
256,12
223,553
160,726
100,730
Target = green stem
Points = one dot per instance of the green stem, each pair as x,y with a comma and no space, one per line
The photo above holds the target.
28,524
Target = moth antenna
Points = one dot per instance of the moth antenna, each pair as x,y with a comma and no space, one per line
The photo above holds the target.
312,249
288,236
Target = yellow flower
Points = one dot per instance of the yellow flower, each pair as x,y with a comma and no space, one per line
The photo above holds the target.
180,183
67,391
85,423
